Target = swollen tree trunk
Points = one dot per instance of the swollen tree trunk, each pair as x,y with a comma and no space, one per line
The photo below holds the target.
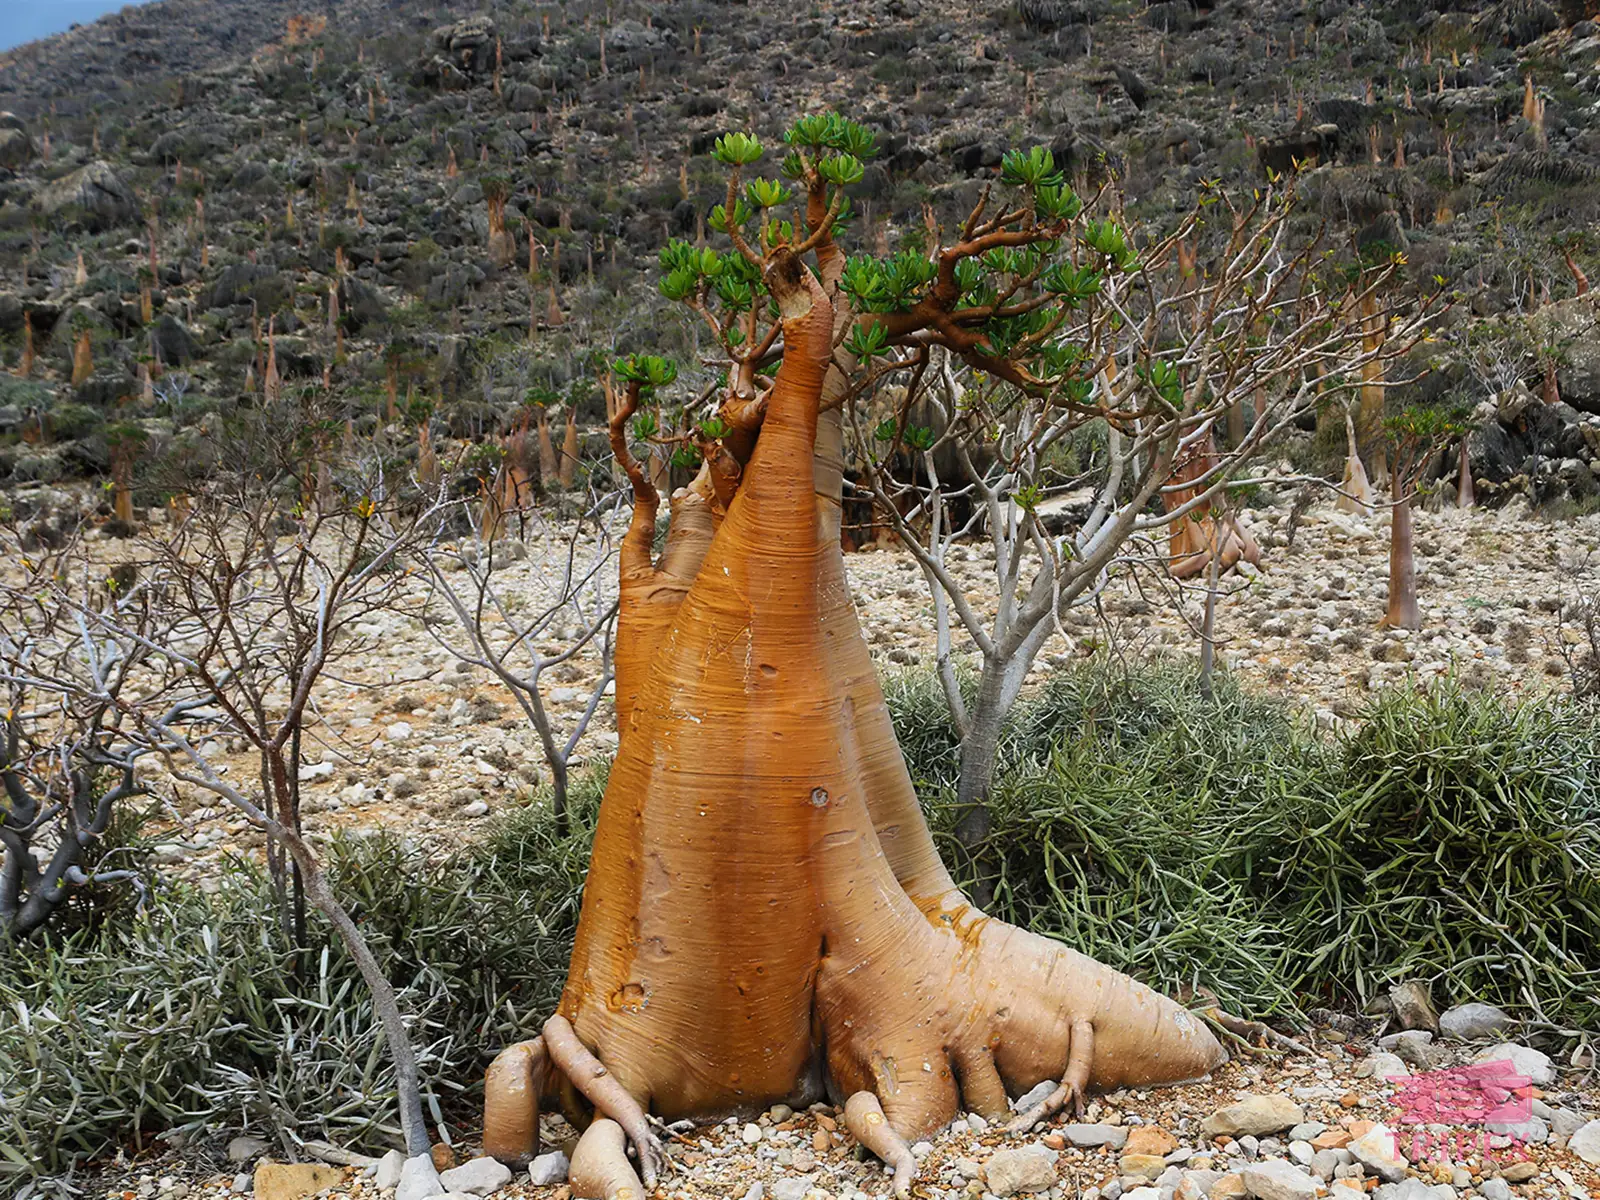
1402,611
765,917
1466,496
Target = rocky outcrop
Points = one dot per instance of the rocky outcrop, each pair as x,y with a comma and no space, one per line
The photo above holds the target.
93,197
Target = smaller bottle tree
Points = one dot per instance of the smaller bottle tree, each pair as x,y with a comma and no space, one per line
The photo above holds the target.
1416,436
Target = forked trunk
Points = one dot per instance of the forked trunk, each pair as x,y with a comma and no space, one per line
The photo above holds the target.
765,917
1402,612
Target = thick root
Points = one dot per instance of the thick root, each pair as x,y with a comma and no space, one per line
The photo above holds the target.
609,1097
511,1089
600,1169
863,1117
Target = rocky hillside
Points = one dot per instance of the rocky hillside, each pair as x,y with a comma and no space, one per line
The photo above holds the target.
188,185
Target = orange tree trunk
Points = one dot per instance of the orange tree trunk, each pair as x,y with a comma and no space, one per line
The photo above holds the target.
765,917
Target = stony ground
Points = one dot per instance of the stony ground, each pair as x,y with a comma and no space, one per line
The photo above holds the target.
1335,1122
413,735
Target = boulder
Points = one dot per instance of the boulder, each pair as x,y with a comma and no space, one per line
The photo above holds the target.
16,147
1254,1115
1571,328
173,341
93,196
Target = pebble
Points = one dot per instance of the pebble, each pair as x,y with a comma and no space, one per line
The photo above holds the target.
752,1134
387,1173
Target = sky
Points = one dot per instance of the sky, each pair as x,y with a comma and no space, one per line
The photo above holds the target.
24,20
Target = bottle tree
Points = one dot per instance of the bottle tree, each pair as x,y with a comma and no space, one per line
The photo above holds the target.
766,918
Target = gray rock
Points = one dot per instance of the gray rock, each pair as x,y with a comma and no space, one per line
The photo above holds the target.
1530,1129
1325,1162
246,1149
1535,1064
1414,1189
1278,1180
243,1182
549,1168
1038,1094
1030,1169
418,1180
1585,1143
1087,1136
1473,1021
477,1177
1494,1189
1254,1115
1302,1152
791,1188
387,1173
1307,1130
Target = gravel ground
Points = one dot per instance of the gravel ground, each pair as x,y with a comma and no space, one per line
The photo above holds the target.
412,736
1180,1143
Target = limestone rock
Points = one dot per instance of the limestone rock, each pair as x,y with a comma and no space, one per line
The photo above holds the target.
1278,1180
1254,1115
243,1149
387,1173
419,1180
1535,1064
293,1181
477,1177
1030,1169
1378,1150
1089,1136
1586,1143
548,1168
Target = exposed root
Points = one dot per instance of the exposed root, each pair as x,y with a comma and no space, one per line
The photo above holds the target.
600,1169
1254,1033
863,1117
608,1096
1073,1083
511,1089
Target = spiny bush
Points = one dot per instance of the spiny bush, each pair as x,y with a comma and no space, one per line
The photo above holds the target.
1223,845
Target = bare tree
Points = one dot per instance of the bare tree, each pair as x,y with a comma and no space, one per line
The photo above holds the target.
1155,353
563,608
236,618
64,765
